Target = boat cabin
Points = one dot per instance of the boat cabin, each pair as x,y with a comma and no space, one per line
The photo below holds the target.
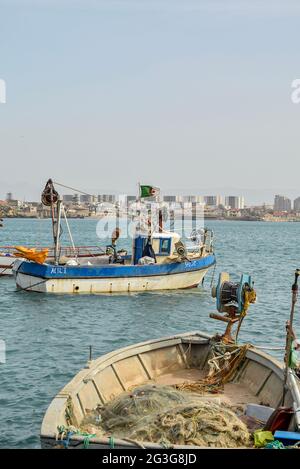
164,243
161,249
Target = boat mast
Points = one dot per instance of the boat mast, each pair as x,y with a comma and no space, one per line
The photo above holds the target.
50,198
52,203
290,334
57,230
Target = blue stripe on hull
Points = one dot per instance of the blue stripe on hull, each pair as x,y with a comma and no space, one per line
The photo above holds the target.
112,270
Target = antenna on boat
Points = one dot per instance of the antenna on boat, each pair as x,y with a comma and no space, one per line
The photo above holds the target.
290,334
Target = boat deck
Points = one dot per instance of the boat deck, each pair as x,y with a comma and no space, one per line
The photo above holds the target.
234,394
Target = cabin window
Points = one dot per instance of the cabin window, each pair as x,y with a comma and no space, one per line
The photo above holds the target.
165,246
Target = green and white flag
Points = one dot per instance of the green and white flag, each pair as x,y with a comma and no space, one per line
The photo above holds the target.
149,191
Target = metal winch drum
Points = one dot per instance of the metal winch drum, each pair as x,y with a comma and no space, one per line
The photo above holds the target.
231,293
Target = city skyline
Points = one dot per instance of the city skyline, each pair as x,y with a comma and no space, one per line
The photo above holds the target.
230,208
184,95
280,202
31,190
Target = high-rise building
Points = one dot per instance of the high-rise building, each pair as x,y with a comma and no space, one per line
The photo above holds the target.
212,200
68,198
71,198
192,198
169,198
130,199
88,199
110,198
282,203
76,199
297,204
235,202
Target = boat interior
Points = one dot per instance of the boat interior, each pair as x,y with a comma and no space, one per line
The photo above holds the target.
171,361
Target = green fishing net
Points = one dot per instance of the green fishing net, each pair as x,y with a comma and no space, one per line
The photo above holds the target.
165,415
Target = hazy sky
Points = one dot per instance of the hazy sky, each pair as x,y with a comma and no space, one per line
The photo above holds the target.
191,96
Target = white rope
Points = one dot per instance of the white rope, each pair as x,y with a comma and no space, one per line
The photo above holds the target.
70,234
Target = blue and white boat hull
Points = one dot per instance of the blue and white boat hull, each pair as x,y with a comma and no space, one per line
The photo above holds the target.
111,278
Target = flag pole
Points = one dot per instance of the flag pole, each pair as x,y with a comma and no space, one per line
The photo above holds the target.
160,213
139,192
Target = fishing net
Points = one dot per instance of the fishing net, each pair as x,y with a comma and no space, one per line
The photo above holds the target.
165,415
223,362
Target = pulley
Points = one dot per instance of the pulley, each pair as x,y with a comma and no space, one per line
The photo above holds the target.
181,251
49,194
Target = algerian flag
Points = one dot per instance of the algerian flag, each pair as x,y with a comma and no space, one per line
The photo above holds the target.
149,191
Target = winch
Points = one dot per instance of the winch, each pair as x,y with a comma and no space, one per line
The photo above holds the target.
233,299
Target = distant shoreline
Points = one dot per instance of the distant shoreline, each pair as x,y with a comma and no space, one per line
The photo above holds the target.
189,217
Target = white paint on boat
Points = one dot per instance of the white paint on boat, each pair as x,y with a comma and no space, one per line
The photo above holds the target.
6,264
111,285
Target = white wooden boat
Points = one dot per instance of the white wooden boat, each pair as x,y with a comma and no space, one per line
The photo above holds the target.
241,377
168,361
106,274
159,260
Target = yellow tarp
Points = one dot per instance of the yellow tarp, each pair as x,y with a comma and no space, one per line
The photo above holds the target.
32,254
262,438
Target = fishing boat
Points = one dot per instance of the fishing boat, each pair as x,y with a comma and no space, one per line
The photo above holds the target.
7,260
159,261
97,407
85,254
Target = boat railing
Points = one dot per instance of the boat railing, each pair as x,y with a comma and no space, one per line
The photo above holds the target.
201,249
201,242
81,251
68,251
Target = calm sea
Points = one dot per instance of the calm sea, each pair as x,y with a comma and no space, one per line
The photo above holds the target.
47,337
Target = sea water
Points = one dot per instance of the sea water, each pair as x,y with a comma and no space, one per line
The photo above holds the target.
47,337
